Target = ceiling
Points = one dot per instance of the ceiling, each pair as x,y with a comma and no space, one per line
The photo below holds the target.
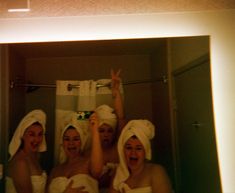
85,48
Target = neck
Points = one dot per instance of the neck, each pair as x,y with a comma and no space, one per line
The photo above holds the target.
72,160
31,154
137,171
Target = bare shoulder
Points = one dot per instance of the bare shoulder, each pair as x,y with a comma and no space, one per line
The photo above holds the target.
18,166
18,163
159,178
156,169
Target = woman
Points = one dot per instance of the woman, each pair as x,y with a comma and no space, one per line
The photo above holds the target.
25,174
79,172
111,123
134,173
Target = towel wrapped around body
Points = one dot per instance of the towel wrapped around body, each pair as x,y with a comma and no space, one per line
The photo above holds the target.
38,183
58,184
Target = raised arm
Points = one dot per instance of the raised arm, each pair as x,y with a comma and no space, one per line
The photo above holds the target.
96,159
117,99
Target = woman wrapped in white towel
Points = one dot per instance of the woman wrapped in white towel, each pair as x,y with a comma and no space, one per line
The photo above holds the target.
24,174
134,173
79,172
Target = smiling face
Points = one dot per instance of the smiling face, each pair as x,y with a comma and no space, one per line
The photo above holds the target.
71,142
106,135
134,153
33,137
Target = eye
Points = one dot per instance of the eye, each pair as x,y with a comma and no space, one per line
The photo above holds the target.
128,147
101,130
40,134
66,138
139,148
76,138
110,131
31,134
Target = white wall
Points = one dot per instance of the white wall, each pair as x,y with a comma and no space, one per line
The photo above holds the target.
218,24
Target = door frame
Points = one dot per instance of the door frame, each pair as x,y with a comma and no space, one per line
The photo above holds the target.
4,110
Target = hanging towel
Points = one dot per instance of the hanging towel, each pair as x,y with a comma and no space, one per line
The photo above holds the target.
32,117
86,95
144,130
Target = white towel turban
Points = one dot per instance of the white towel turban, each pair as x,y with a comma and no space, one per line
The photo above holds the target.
144,130
81,127
32,117
107,116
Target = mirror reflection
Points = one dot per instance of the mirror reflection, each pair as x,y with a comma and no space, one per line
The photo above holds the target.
164,80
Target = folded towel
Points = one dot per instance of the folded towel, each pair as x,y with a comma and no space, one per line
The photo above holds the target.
32,117
82,128
144,130
106,116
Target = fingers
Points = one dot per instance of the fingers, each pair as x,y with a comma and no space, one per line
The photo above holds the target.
80,189
69,189
70,184
118,72
94,121
115,75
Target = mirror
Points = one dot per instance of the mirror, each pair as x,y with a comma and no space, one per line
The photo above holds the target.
153,71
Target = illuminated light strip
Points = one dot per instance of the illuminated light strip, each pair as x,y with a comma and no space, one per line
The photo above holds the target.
18,6
18,10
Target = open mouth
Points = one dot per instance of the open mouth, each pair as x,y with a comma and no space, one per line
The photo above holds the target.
106,141
72,149
133,160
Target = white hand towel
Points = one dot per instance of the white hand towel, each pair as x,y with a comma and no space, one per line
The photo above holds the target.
82,128
32,117
144,130
106,115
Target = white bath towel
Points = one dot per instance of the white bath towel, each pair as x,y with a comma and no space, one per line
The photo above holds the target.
82,128
58,184
38,183
144,130
106,115
32,117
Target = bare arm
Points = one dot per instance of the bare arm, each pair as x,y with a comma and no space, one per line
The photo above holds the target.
96,159
111,189
160,180
21,177
118,102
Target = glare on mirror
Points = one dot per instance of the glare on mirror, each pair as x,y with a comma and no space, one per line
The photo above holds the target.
165,80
